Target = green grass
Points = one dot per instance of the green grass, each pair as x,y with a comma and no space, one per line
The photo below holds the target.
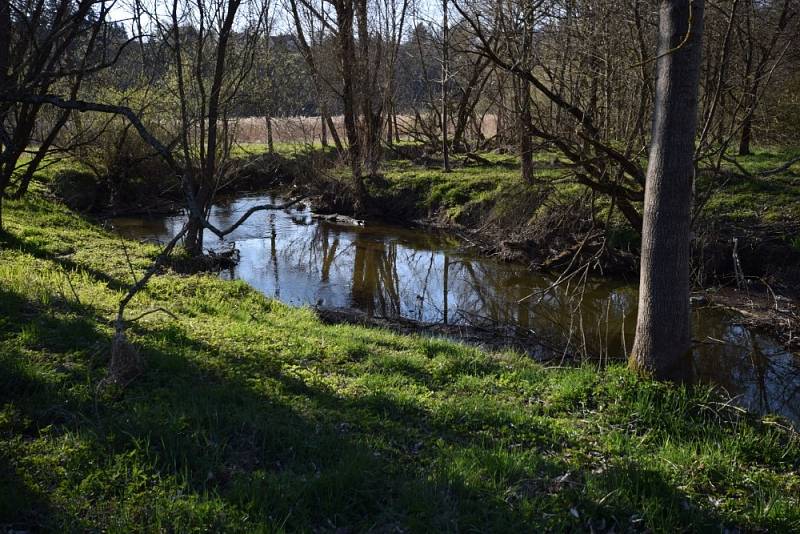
285,149
771,199
436,190
254,416
469,193
474,194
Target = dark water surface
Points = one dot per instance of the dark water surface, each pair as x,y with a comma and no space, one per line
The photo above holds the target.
387,271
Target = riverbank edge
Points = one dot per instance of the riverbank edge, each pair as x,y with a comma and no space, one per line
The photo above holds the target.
765,293
770,305
71,460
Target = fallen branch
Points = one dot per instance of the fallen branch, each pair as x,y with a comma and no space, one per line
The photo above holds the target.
255,209
150,312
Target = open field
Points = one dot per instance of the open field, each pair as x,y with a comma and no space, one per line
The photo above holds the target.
308,130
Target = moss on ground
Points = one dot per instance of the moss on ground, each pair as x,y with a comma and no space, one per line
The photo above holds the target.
254,416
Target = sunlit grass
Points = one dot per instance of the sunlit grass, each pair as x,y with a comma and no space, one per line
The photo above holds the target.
256,416
485,188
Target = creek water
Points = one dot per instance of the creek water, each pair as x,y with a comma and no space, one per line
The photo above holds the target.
393,272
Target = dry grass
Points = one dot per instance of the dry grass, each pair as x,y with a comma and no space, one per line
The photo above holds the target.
309,129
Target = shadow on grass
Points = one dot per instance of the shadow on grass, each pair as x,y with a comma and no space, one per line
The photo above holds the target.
12,242
23,508
275,447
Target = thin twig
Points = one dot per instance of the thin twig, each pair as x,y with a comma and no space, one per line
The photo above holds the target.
151,311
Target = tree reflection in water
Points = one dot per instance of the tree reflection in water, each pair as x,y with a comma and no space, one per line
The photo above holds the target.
419,274
375,287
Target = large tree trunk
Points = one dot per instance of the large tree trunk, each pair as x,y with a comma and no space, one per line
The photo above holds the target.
5,42
371,104
662,348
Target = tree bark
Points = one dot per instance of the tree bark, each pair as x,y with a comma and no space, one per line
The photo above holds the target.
389,124
344,20
193,241
371,104
445,74
662,348
525,130
324,133
337,142
747,135
270,142
5,44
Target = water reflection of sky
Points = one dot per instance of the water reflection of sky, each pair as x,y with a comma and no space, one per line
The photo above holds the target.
422,275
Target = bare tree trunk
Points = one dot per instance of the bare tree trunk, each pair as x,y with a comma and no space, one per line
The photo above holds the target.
334,133
371,105
389,133
747,135
470,97
445,74
747,124
193,240
344,19
500,120
662,348
5,42
525,130
5,47
270,144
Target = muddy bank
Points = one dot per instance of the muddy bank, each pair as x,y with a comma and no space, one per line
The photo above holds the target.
763,311
774,316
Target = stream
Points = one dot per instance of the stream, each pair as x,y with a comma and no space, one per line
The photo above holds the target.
392,272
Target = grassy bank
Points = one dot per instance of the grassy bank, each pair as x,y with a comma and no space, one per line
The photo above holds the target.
253,416
541,223
495,181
